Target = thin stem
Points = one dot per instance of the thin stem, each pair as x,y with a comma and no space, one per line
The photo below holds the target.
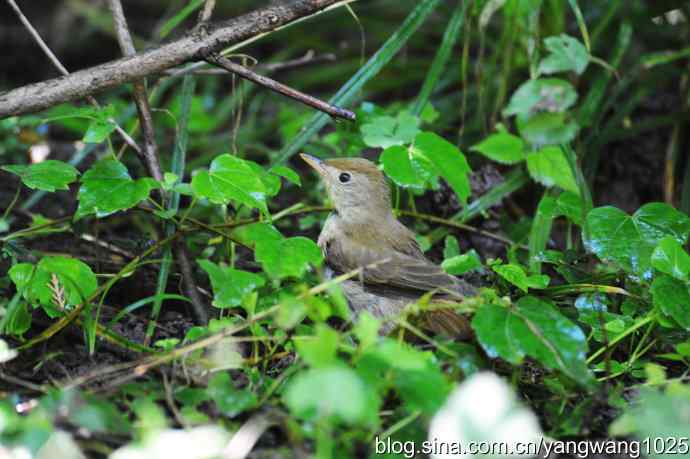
280,88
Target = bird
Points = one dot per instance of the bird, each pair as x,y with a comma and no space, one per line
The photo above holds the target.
362,233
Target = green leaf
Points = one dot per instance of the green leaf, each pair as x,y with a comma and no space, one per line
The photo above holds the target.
671,258
415,374
287,173
451,247
550,167
98,131
287,257
548,94
462,264
321,351
386,131
334,393
405,167
230,286
447,160
673,298
566,54
661,418
571,205
628,241
74,277
533,328
49,175
231,179
502,147
514,274
230,400
547,129
107,188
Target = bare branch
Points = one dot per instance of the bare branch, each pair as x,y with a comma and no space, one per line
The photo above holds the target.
207,11
280,88
56,62
141,99
189,284
193,46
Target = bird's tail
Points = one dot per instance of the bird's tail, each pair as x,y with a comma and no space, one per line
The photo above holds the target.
448,322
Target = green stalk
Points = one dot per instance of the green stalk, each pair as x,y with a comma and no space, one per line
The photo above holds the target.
177,167
442,56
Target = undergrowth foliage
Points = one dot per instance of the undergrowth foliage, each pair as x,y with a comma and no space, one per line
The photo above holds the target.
587,306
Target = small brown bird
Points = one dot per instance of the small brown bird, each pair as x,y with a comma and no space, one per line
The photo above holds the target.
362,232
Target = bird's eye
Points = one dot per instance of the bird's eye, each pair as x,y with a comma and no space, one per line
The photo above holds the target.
344,177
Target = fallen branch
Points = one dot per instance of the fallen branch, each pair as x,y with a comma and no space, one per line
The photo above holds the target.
193,46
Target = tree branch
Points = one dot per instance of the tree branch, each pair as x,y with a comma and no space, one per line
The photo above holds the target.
280,88
141,100
61,68
193,46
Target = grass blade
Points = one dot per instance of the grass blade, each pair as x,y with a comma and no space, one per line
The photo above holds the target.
177,167
581,23
541,230
441,59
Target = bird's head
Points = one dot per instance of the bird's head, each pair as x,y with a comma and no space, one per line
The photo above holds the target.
357,188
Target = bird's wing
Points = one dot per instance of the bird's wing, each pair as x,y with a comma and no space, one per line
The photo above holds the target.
389,267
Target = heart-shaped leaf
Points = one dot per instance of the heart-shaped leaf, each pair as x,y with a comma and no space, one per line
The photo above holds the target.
628,241
232,179
673,298
386,131
550,167
55,283
287,257
447,161
671,258
533,328
230,286
502,147
107,188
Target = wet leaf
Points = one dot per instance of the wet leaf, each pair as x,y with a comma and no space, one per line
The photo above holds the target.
671,258
534,328
673,298
629,241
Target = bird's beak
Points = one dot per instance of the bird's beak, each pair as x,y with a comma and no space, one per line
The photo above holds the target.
317,164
